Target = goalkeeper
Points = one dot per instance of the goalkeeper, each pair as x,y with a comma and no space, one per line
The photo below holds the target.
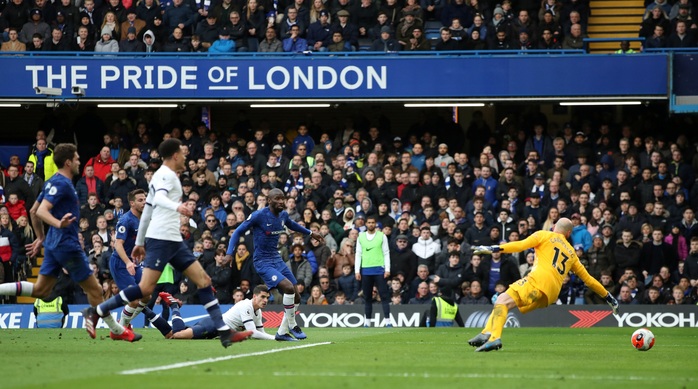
555,257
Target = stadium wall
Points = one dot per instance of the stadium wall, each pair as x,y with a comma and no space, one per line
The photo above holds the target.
573,316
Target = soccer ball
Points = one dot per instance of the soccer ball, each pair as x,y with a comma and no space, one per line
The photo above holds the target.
643,339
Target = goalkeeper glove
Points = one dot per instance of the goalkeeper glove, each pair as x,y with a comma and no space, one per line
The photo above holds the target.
612,302
485,250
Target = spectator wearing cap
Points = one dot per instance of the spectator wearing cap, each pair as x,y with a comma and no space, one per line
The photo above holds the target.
223,44
403,31
132,20
62,23
632,220
70,13
107,44
600,257
131,44
35,25
320,32
580,235
349,30
208,29
386,43
294,180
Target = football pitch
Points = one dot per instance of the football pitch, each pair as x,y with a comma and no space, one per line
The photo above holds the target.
352,358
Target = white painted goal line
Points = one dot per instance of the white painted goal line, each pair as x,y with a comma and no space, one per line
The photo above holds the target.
218,359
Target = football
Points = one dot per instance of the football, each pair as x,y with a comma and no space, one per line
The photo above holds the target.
643,339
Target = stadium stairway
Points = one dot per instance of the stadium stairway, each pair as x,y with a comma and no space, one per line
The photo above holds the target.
614,19
31,278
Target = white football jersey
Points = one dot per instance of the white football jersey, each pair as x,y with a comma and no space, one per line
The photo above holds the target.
240,313
164,223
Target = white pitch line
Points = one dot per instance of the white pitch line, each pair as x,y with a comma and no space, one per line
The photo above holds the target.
219,359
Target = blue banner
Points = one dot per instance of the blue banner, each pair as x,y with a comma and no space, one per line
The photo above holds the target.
345,77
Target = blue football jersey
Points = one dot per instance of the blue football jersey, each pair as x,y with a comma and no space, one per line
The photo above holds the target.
60,192
126,230
266,228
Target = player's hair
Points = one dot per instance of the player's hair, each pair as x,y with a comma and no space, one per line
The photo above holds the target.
259,289
169,147
132,194
64,152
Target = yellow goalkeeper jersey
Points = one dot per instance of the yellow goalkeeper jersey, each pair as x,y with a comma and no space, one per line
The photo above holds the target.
555,257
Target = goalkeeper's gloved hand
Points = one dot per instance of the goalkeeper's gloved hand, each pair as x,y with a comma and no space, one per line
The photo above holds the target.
485,250
612,302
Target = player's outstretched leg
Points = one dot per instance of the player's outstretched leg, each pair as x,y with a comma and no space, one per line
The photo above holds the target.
227,335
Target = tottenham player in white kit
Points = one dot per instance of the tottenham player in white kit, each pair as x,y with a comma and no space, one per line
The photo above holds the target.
245,315
158,231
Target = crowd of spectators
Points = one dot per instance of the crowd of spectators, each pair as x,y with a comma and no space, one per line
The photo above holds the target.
631,199
224,26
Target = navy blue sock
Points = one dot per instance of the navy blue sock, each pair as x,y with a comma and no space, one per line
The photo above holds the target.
177,321
127,295
158,321
210,302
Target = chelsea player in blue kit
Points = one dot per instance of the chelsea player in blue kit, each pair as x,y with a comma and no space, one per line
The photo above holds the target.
158,230
127,272
266,225
58,206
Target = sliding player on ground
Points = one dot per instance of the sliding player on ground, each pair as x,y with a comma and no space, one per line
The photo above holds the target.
245,315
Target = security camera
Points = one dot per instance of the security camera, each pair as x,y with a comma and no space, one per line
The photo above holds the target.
77,91
43,90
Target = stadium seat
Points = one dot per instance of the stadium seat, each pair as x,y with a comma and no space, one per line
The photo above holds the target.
364,44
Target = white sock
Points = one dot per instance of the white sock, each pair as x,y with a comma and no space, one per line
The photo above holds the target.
113,325
127,314
283,327
22,288
290,309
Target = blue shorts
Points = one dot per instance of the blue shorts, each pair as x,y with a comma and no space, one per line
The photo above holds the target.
75,261
204,329
274,272
159,253
120,274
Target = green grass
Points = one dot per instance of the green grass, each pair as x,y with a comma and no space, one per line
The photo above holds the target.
355,358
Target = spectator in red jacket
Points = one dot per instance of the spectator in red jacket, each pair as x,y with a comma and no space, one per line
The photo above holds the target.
101,163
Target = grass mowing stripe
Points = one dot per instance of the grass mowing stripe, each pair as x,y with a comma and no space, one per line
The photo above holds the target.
219,359
339,374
